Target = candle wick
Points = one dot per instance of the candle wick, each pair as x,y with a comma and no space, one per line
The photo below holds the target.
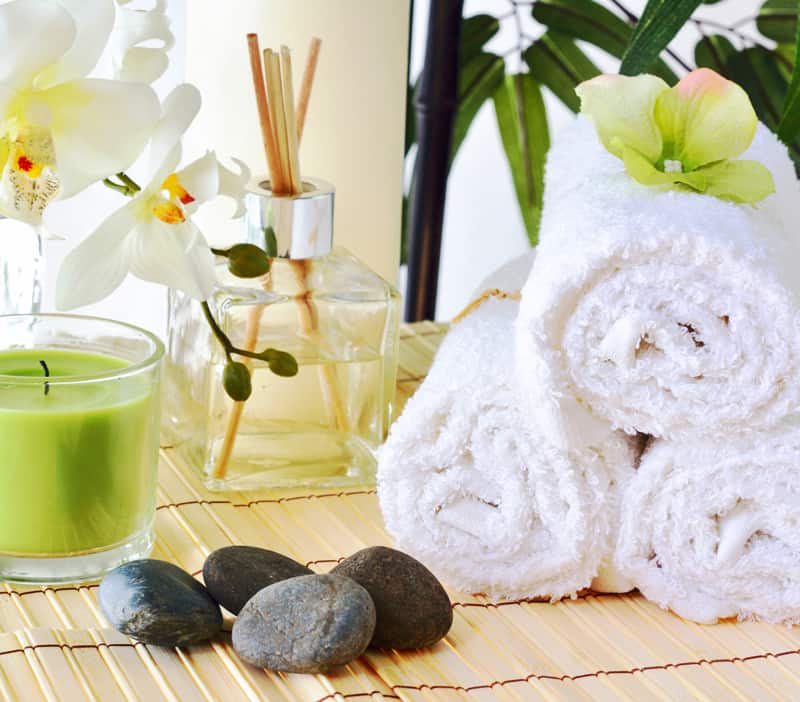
43,364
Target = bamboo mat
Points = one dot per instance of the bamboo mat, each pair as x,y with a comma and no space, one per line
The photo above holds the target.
56,645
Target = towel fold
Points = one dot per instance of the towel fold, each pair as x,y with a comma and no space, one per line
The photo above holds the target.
468,485
664,312
711,529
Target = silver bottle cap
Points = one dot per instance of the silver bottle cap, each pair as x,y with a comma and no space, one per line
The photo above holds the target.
302,224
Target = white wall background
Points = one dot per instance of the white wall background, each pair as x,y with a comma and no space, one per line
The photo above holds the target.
483,227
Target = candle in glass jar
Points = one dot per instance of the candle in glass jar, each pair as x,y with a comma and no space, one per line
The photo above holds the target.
78,462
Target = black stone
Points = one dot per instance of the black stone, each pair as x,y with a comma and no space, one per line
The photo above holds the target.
157,603
412,608
234,574
305,625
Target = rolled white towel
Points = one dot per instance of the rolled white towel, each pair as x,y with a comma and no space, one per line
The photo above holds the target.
665,312
469,487
712,529
609,577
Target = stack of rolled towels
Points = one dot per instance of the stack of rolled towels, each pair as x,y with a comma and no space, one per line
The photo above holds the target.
628,421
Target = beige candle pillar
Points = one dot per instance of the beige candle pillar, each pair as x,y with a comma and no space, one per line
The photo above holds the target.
354,131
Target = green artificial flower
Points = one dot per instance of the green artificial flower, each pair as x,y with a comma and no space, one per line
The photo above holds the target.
685,136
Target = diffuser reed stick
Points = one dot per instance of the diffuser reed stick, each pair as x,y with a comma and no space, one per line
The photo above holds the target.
306,85
281,127
291,124
264,120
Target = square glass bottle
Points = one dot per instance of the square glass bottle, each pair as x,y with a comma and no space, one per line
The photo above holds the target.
339,319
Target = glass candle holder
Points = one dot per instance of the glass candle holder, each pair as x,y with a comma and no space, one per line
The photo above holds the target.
21,268
79,427
338,318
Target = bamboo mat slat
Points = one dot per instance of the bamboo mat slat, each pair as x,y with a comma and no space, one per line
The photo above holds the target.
56,646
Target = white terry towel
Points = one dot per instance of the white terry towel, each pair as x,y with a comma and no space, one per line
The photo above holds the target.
669,313
468,487
712,529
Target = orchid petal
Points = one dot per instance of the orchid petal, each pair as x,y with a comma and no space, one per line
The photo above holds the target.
142,64
206,178
99,264
5,150
93,21
99,128
28,181
621,108
24,198
178,111
132,61
6,95
234,185
200,179
175,255
644,172
168,166
705,118
738,181
34,34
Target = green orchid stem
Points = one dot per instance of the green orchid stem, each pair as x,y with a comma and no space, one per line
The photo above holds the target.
225,342
248,354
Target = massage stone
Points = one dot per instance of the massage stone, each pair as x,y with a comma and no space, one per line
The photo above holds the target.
157,603
234,574
413,609
307,624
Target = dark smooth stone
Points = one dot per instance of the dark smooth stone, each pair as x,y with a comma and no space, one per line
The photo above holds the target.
234,574
157,603
413,610
308,624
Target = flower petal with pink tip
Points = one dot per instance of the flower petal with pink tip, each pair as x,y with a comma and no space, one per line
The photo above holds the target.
621,108
704,118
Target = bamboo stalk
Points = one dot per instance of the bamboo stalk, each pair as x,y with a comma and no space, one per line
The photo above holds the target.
306,85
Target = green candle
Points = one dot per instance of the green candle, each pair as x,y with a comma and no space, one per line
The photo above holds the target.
79,452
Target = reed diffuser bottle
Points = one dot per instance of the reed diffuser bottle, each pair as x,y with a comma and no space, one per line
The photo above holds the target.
337,318
334,315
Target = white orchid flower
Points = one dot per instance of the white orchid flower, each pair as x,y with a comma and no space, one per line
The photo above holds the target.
140,41
60,131
153,236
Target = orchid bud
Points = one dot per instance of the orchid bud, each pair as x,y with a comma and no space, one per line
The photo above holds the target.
236,379
247,261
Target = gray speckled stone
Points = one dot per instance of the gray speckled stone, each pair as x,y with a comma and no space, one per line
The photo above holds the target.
234,574
157,603
412,608
305,625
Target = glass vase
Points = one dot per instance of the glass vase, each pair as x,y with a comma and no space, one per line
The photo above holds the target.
337,317
21,268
